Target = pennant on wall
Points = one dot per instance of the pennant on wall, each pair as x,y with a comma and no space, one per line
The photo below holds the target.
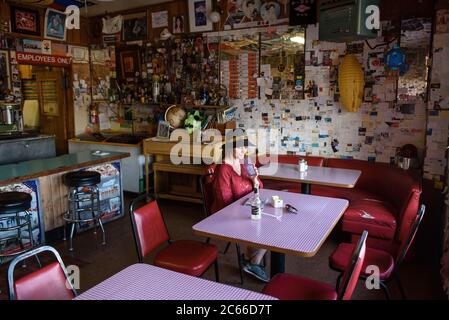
303,12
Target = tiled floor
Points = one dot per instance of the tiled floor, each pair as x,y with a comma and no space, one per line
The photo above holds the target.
97,262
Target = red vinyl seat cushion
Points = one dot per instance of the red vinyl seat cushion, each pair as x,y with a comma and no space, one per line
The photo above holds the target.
187,256
341,258
48,283
286,286
377,217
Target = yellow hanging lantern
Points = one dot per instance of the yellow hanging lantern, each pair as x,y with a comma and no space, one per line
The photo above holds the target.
351,81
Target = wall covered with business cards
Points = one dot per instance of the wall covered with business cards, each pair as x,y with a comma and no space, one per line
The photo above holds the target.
393,113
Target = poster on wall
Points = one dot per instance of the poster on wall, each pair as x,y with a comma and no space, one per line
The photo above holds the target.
254,13
159,19
135,27
199,11
37,226
55,25
303,12
25,21
111,194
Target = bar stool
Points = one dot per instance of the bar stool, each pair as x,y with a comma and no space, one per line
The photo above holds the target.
15,216
84,197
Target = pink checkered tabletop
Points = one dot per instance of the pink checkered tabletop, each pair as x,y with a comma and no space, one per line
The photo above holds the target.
147,282
299,234
334,177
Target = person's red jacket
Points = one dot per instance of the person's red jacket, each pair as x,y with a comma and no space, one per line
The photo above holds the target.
228,186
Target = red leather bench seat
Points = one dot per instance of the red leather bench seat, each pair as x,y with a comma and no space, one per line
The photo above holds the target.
384,201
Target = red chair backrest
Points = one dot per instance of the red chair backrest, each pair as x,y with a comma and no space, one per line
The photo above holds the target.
405,245
352,273
149,228
48,283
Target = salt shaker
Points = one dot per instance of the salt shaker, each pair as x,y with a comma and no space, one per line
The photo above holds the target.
302,165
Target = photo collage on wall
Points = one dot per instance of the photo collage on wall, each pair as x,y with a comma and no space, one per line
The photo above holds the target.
253,13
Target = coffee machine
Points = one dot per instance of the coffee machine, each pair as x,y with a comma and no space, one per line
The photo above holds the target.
11,118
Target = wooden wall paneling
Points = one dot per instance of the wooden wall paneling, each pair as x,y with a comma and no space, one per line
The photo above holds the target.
81,36
46,202
53,200
60,198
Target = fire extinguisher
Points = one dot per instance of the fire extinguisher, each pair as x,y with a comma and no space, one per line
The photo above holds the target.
93,114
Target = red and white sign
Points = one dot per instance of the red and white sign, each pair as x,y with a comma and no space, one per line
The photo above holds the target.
45,59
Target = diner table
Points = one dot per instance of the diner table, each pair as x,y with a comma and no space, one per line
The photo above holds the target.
333,177
147,282
279,231
324,176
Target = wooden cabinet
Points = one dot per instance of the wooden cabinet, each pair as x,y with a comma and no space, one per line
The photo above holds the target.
178,181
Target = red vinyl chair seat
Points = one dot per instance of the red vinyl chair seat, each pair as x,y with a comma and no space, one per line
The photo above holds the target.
48,283
286,286
341,258
377,217
187,256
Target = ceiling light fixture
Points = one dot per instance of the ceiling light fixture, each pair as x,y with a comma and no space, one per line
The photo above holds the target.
298,39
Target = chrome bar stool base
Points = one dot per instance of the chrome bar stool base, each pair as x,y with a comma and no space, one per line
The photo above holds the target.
84,203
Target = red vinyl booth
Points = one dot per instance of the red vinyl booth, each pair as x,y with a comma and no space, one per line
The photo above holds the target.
384,201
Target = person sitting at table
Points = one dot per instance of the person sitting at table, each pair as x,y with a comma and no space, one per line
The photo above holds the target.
232,182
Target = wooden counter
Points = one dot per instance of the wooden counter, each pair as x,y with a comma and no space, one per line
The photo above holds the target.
18,172
43,180
178,181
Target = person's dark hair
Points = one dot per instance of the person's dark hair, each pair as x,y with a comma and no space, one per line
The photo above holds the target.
270,6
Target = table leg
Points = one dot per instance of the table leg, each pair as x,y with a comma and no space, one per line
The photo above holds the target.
277,263
306,188
147,178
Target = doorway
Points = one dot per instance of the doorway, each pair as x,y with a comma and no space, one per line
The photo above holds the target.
46,104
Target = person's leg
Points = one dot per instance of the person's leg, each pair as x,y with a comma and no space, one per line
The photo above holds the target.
255,256
253,266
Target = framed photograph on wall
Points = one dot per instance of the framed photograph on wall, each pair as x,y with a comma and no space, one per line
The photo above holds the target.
55,25
5,74
129,63
199,11
178,24
25,21
135,27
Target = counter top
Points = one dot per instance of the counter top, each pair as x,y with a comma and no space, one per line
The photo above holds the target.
26,138
106,143
13,173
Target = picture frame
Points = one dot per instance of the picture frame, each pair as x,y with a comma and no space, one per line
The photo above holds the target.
199,11
179,24
135,27
5,71
159,19
129,63
55,28
26,21
163,130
